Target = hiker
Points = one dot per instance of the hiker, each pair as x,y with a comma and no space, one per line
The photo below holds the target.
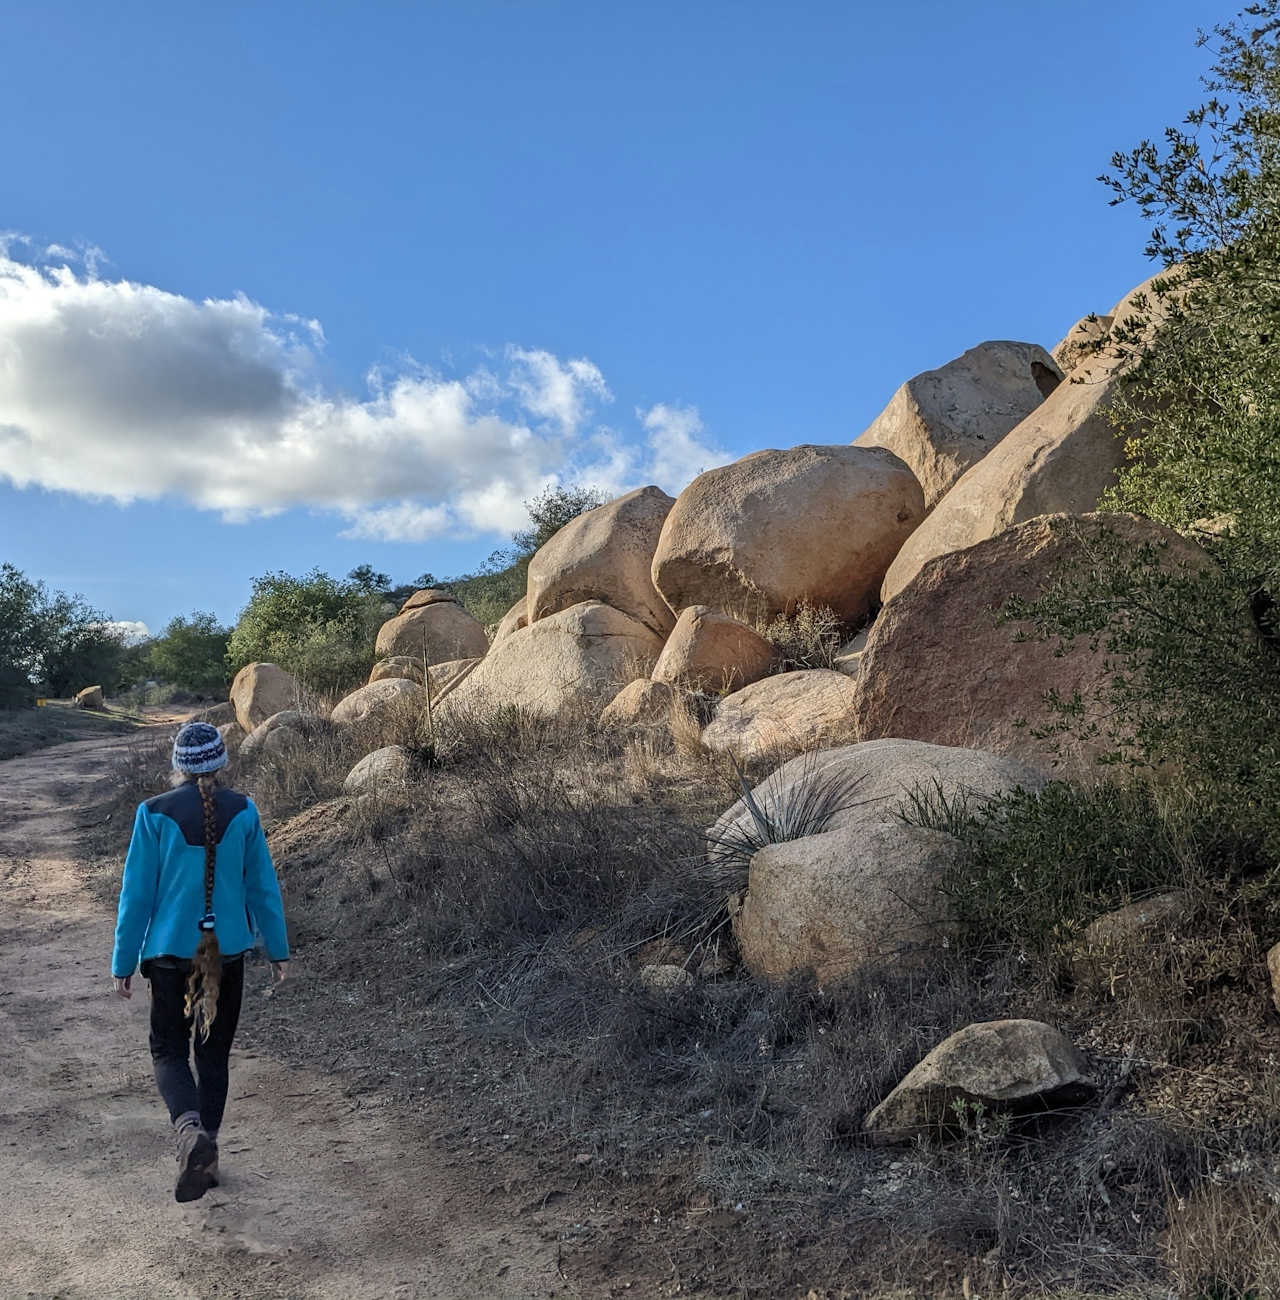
198,880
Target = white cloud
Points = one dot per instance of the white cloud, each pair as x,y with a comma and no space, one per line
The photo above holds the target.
122,391
676,453
129,630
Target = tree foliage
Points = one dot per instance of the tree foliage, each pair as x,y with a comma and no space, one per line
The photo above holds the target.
191,653
1196,653
318,627
52,642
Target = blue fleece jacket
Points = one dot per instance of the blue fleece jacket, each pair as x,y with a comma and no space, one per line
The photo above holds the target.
162,894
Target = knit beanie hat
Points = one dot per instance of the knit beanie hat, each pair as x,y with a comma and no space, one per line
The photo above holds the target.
198,749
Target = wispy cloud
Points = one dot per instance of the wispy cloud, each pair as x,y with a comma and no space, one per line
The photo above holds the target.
122,391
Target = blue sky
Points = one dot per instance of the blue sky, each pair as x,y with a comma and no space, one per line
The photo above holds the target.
291,285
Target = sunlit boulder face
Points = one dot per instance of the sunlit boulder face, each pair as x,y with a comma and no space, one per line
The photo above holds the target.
605,554
945,420
431,627
783,715
941,666
1059,460
710,651
579,658
260,691
757,538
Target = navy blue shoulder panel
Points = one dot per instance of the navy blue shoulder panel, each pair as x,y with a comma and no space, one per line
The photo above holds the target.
183,806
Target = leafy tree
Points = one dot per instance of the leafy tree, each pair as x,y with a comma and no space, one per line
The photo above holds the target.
52,641
192,653
1197,654
317,627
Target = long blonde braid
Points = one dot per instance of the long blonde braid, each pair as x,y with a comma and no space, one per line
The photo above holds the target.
205,980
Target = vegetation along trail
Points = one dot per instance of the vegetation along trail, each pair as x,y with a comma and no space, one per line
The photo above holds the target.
322,1196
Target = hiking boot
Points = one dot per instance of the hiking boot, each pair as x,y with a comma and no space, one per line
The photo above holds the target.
197,1164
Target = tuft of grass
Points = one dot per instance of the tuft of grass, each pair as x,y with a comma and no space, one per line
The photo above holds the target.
810,638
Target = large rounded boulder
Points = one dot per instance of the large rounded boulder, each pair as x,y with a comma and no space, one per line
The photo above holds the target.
784,714
777,528
579,657
945,420
876,781
431,625
830,904
836,881
377,700
1059,460
940,665
710,651
260,691
605,554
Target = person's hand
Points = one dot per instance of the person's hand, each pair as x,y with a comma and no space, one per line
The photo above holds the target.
279,972
124,987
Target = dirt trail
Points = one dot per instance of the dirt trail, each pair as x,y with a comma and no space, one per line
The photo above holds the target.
319,1198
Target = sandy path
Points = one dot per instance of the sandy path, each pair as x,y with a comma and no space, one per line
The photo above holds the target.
320,1197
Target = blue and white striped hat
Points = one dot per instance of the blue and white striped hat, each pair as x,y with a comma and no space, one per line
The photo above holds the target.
198,749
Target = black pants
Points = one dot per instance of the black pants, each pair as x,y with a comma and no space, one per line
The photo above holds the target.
171,1041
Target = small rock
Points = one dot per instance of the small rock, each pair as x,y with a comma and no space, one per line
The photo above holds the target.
1273,965
386,766
90,698
665,978
1004,1066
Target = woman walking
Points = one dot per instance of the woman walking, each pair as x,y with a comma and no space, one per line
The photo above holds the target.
198,880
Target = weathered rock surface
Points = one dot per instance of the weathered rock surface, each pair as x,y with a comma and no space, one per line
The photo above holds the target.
1060,459
90,698
784,714
384,767
282,732
376,699
1107,945
512,621
439,630
605,554
260,691
217,715
1004,1066
945,420
446,674
233,736
710,651
1082,342
848,659
428,596
641,703
835,902
757,538
1273,969
397,666
939,667
875,780
663,977
578,657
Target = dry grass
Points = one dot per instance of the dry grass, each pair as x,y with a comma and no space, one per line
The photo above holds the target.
482,930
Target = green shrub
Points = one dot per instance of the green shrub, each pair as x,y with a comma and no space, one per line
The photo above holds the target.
1038,866
319,628
191,653
51,641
